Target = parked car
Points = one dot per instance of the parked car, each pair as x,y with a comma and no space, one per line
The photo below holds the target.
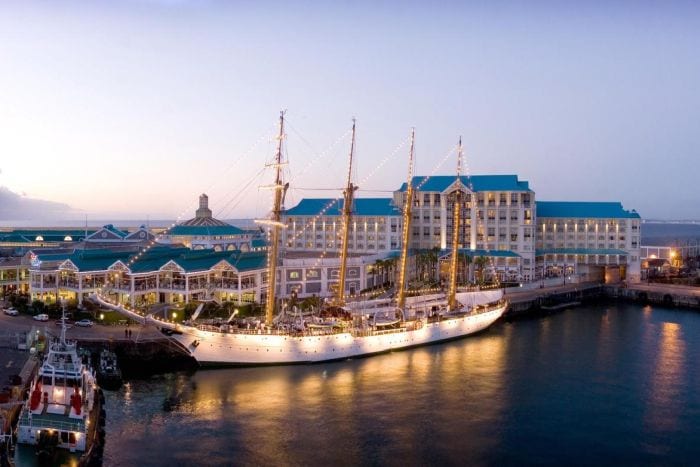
60,321
85,323
41,317
11,312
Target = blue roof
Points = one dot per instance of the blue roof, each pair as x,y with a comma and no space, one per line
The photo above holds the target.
332,207
585,209
580,251
475,182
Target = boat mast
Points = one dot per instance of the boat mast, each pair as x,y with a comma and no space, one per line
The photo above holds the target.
452,295
401,301
347,215
275,225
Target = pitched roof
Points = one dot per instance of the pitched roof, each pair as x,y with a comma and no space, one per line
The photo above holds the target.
47,235
153,260
225,229
475,182
248,261
584,209
332,207
97,260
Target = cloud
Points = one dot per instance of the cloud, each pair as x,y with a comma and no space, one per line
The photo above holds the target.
17,207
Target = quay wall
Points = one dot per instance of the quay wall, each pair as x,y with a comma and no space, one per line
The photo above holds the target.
666,295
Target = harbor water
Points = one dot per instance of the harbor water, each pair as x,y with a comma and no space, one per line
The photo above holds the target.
602,384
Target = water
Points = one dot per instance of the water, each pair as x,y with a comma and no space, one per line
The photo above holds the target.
596,385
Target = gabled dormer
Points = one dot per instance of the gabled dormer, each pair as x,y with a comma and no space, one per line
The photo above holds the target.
108,233
140,235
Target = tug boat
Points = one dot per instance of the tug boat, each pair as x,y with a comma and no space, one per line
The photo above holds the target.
63,410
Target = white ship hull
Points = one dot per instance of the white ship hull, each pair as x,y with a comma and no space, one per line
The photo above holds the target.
220,349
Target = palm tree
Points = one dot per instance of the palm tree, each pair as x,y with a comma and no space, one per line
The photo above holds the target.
480,262
433,256
380,265
466,260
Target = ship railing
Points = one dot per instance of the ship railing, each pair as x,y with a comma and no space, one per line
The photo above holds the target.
271,331
41,423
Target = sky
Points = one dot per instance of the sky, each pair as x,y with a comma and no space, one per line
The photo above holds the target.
131,109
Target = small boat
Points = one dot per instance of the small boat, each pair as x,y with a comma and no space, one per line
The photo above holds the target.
109,375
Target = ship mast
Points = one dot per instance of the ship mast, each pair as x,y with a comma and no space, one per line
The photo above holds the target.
401,301
452,294
347,214
275,226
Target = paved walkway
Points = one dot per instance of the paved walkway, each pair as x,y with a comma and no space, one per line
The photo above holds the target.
23,323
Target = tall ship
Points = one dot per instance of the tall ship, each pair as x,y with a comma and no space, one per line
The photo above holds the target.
348,329
63,404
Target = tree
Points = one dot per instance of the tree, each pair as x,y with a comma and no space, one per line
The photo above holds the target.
480,262
464,259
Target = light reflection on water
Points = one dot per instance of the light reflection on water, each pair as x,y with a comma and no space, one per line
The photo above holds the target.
593,385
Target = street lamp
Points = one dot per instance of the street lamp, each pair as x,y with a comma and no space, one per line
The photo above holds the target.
174,315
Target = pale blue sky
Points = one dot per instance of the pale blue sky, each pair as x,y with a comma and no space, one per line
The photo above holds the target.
133,108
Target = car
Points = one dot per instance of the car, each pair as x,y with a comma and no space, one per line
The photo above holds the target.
11,312
60,321
41,317
85,323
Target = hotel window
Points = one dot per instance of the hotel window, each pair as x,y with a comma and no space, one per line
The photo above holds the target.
513,198
312,274
491,214
426,199
514,215
502,199
294,274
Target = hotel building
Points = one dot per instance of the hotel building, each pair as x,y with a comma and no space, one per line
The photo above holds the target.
589,240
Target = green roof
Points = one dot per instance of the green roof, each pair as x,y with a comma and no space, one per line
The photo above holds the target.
205,230
248,261
584,209
153,260
115,231
579,251
48,235
97,260
15,238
